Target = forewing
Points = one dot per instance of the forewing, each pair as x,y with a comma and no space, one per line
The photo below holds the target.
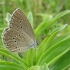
19,35
18,18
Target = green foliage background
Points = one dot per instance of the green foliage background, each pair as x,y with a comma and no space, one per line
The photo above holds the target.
50,20
40,9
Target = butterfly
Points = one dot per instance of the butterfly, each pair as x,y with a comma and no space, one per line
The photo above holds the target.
18,36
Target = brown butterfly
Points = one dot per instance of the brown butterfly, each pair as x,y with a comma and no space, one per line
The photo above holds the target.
19,35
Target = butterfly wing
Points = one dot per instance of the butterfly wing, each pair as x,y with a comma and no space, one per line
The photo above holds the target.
19,36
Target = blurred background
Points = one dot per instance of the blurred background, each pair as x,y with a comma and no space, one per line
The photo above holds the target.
36,11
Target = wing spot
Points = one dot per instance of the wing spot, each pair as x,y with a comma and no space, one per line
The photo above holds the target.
13,38
4,42
25,20
22,33
12,26
21,27
10,44
27,27
15,41
16,47
19,35
20,21
17,30
7,44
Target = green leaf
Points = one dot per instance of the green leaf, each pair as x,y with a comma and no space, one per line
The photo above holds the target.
61,63
13,56
47,24
43,67
60,38
55,52
4,65
45,44
8,17
31,57
30,18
